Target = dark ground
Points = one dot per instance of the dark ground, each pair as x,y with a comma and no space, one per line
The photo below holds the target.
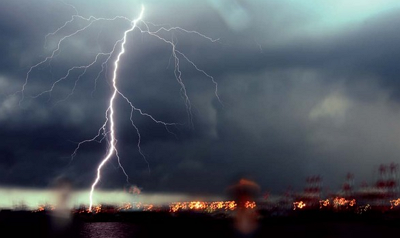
163,224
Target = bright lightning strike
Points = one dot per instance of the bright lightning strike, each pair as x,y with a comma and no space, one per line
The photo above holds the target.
107,130
112,142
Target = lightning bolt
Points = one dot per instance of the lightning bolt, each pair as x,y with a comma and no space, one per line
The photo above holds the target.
112,142
107,130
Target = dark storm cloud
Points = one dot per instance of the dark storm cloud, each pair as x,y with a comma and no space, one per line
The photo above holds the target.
294,103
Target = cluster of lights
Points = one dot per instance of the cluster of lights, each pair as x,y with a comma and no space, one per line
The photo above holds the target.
173,207
343,202
97,209
298,205
250,205
324,203
207,206
126,206
394,203
336,203
137,206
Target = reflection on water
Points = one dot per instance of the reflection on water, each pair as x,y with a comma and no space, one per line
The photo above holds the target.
108,230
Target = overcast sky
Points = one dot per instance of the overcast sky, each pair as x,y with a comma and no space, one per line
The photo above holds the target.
306,89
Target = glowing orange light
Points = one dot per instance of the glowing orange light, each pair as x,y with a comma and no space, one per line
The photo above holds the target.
343,202
97,209
126,206
324,203
250,205
299,205
394,203
232,205
197,205
205,206
148,207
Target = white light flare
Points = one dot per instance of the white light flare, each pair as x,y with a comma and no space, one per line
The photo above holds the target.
112,149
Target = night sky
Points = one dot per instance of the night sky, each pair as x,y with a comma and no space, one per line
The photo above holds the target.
306,89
